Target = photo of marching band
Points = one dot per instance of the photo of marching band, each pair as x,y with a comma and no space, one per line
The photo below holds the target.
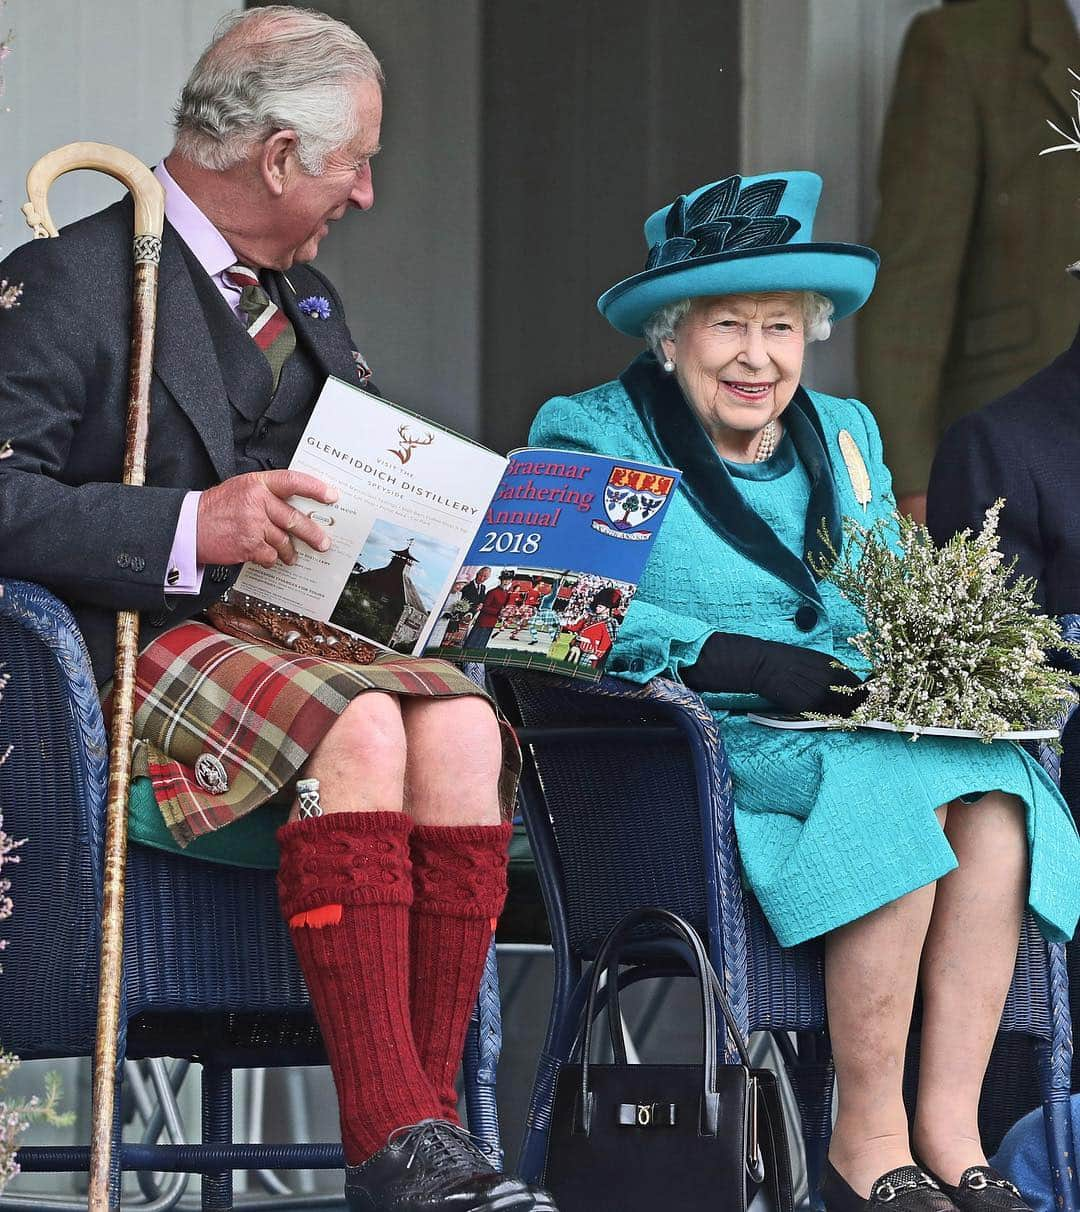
550,618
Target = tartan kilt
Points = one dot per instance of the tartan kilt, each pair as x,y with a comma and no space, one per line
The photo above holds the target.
544,619
207,703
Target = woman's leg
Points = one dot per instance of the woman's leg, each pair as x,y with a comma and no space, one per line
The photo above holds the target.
459,857
871,970
967,965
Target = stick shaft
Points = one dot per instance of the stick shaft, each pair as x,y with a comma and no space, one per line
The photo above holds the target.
121,739
149,199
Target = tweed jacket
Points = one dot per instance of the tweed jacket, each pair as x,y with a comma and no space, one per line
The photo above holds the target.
974,228
1024,447
716,565
66,521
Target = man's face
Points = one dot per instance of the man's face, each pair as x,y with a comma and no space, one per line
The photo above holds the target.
308,205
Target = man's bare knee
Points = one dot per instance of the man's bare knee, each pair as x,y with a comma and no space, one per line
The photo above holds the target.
454,760
360,762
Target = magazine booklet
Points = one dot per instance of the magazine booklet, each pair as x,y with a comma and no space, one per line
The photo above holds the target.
442,547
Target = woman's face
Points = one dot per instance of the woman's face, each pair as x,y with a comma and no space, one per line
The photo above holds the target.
738,359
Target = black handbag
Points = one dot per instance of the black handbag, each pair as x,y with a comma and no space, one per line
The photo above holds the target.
638,1138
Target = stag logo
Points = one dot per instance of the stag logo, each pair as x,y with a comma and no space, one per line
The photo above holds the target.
409,443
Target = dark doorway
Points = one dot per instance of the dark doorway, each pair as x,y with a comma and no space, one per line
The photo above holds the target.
593,116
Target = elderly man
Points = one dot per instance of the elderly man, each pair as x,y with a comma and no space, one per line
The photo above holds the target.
393,861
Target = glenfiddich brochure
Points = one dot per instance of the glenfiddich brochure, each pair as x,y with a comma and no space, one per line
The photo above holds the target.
444,548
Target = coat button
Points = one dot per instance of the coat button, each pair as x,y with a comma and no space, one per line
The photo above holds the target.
219,573
123,560
806,618
210,774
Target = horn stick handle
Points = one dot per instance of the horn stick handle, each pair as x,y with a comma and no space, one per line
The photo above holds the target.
149,198
115,162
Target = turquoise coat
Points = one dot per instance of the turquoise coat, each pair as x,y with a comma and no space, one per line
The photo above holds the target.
830,825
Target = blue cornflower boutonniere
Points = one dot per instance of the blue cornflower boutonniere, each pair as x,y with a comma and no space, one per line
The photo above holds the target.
315,306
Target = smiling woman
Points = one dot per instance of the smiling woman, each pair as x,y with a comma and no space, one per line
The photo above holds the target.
738,360
896,853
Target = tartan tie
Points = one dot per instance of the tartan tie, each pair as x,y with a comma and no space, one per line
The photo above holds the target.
267,324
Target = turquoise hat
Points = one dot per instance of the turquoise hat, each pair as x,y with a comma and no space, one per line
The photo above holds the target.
738,236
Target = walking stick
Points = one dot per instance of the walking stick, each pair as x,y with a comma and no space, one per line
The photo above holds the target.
149,219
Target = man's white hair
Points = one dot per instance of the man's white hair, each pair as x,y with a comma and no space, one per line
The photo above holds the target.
817,313
268,69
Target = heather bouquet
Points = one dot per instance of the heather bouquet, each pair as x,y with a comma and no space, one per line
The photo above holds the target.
952,637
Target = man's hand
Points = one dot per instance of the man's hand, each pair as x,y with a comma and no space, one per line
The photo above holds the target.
248,518
914,505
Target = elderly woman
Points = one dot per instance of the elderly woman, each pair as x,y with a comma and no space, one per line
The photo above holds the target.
915,861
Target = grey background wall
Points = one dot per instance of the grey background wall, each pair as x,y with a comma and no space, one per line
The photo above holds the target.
409,270
108,71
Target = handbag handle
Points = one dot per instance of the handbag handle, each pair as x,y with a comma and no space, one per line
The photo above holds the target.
711,992
708,976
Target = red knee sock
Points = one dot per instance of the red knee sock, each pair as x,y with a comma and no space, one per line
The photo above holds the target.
459,887
345,886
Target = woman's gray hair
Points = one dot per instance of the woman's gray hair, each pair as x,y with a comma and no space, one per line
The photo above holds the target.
816,308
274,68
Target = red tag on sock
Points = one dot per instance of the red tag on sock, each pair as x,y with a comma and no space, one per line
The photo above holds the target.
325,915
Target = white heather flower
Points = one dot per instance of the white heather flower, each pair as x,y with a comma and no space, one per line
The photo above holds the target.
952,637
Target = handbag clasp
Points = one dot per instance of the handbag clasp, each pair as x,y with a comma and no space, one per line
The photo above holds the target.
646,1115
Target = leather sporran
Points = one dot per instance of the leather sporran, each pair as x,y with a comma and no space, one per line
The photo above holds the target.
247,618
645,1137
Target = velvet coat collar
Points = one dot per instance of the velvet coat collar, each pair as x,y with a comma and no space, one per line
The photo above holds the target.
681,442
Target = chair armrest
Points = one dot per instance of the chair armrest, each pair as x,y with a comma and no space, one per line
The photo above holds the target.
686,710
53,643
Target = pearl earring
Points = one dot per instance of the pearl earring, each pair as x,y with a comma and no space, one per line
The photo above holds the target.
669,366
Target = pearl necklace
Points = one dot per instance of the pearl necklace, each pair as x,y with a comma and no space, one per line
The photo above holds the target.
766,443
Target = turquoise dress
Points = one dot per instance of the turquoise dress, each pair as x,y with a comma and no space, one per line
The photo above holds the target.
830,825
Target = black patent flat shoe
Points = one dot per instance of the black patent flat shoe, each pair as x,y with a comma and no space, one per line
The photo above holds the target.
905,1189
984,1189
435,1166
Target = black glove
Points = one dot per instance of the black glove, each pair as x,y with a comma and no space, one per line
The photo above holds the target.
795,679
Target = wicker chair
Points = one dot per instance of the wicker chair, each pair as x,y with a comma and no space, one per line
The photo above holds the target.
209,971
627,798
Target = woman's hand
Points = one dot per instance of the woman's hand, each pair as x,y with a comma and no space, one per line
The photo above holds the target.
795,679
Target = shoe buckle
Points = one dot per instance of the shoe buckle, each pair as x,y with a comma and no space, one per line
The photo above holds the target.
979,1182
885,1193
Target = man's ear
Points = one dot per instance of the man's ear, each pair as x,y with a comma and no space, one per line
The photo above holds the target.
277,160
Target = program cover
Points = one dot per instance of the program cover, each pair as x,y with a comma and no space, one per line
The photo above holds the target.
556,562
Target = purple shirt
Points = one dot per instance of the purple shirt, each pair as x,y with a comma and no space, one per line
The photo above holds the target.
183,573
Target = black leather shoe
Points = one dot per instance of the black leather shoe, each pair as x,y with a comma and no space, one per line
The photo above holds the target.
906,1189
983,1189
435,1166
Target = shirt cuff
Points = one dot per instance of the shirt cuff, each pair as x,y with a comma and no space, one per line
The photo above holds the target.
183,574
